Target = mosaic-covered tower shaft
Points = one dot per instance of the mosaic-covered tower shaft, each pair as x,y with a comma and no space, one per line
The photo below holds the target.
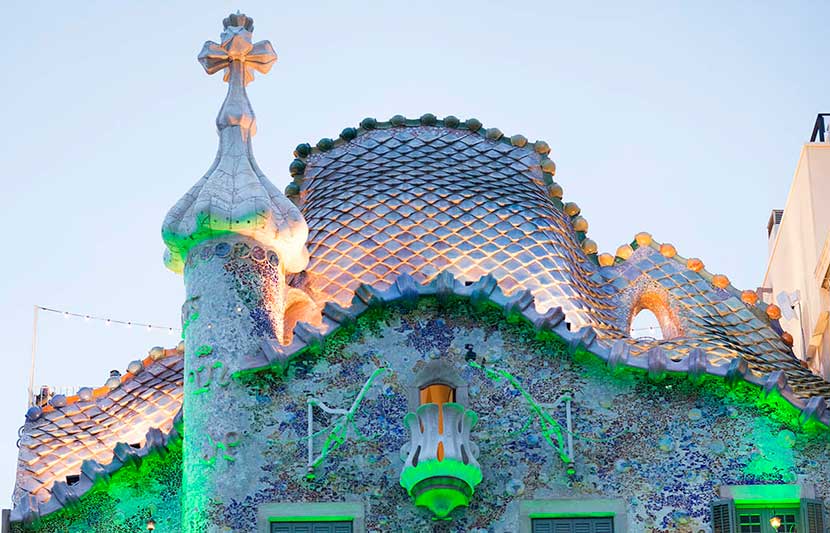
228,311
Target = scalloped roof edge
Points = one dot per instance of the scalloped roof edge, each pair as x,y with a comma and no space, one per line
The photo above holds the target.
65,495
705,274
617,356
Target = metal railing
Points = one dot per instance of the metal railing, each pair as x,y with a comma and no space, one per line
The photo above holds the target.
820,133
46,392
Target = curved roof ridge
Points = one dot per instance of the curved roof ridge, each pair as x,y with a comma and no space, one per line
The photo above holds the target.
128,409
555,193
62,494
86,394
767,312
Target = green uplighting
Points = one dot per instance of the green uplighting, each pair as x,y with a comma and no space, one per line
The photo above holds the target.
125,501
766,494
204,350
551,430
413,475
442,501
337,434
188,321
306,518
441,486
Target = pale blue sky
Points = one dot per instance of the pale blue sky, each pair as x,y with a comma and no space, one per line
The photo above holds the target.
682,121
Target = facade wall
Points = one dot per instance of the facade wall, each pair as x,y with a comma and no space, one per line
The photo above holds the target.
798,255
655,453
663,449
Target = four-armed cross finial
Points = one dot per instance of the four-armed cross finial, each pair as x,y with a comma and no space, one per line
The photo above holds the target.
238,56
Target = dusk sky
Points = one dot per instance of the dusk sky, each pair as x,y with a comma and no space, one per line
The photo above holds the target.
682,121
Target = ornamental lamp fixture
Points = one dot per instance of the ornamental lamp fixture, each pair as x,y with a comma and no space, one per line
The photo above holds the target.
151,525
775,522
441,471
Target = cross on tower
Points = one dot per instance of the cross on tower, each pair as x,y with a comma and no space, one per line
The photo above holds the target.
238,56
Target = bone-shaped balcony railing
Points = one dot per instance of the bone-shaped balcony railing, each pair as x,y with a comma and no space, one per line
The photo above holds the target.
441,471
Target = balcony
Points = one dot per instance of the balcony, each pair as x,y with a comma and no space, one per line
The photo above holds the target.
441,471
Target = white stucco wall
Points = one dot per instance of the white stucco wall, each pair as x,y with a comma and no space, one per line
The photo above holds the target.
795,261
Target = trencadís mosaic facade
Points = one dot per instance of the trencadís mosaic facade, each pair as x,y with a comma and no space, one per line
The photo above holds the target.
420,336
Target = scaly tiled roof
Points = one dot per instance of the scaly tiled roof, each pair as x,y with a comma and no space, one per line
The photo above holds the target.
78,435
415,199
419,197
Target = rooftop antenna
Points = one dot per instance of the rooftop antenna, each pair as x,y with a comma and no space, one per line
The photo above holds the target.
30,400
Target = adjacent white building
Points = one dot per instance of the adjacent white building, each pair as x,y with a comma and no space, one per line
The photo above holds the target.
798,269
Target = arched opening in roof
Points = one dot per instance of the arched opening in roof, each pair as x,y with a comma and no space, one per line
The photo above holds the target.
651,317
645,326
299,308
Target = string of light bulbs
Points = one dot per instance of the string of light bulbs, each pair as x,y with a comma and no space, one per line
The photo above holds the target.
171,330
647,328
87,318
108,321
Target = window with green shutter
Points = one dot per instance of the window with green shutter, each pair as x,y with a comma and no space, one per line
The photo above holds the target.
573,525
805,516
311,527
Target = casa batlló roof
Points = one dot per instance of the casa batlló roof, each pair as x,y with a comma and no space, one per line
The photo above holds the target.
397,210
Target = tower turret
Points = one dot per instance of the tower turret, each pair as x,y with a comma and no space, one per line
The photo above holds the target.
235,237
234,197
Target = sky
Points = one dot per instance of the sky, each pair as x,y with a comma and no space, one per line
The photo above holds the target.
682,120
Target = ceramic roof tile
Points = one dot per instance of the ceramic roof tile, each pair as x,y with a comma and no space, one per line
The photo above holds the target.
438,198
55,444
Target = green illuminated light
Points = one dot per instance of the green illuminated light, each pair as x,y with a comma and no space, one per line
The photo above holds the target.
766,494
326,518
551,430
413,475
442,501
441,486
580,514
204,350
337,434
192,318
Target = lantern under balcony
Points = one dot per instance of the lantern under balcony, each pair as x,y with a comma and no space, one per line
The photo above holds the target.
441,471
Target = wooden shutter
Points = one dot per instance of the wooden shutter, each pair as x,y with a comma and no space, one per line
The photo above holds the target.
605,525
723,516
812,515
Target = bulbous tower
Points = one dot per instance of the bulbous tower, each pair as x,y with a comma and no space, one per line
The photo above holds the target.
235,237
